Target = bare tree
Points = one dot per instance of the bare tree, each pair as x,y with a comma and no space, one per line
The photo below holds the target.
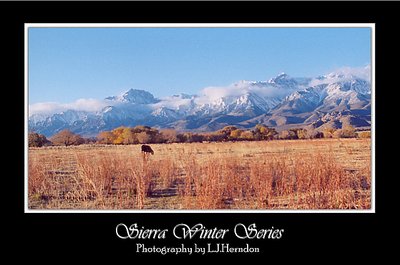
37,140
66,137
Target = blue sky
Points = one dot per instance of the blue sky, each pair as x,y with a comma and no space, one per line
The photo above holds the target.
66,64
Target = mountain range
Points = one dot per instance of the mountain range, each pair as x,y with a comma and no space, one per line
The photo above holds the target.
283,102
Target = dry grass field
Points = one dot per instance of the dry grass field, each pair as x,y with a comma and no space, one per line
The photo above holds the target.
297,174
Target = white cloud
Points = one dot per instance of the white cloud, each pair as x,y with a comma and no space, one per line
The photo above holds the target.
360,72
87,104
345,73
264,89
172,102
48,108
44,108
207,95
214,93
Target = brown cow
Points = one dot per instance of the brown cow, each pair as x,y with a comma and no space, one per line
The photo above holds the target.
147,149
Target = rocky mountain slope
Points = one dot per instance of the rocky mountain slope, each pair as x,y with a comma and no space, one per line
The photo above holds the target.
335,99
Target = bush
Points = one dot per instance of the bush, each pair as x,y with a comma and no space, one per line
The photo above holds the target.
262,132
67,138
302,134
329,132
247,135
365,134
148,135
143,138
348,132
189,137
235,134
316,134
338,134
37,140
288,135
169,136
105,137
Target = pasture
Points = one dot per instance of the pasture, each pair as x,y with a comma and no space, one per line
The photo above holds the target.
284,174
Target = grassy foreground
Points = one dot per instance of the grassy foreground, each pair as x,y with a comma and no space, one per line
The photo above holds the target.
297,174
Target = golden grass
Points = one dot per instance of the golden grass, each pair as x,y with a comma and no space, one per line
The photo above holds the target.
298,174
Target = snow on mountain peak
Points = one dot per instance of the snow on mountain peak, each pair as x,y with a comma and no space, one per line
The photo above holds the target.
345,74
284,81
136,96
164,112
337,76
281,94
277,79
183,96
345,78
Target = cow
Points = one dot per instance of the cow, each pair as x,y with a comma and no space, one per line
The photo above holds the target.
147,149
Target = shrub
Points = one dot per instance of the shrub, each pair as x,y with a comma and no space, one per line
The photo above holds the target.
288,134
348,132
105,137
262,132
37,140
169,136
365,134
66,137
247,135
235,134
329,132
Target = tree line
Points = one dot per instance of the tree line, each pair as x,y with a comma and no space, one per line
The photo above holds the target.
148,135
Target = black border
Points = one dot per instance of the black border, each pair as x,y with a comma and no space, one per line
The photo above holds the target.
305,234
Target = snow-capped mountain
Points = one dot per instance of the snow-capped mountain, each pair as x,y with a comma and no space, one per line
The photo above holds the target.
135,96
280,101
334,94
